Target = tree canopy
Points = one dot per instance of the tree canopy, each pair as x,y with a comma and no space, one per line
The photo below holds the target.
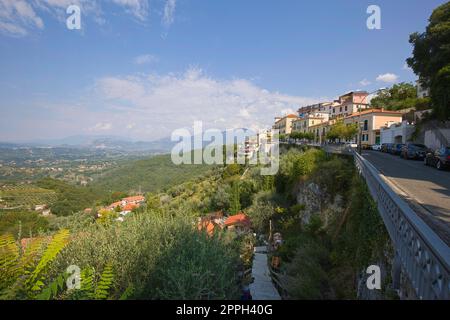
399,96
431,59
342,131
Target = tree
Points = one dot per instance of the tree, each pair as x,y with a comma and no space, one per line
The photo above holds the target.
431,59
399,96
235,197
350,131
342,131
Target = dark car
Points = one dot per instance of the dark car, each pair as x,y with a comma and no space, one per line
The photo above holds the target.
439,159
388,147
414,151
396,148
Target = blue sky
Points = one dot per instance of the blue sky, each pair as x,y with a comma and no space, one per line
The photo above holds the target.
142,68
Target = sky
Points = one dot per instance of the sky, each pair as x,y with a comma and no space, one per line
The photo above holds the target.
142,68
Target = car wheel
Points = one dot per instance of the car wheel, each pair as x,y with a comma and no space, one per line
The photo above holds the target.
439,165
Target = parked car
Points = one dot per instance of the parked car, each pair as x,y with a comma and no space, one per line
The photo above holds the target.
414,151
376,147
396,148
389,147
351,145
439,159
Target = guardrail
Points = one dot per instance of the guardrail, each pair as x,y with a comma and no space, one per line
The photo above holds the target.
422,255
275,276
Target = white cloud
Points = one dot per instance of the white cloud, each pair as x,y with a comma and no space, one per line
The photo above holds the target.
365,82
145,58
16,16
158,104
169,10
387,78
19,17
138,8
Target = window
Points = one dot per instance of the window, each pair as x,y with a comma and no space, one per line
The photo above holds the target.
366,125
340,109
346,108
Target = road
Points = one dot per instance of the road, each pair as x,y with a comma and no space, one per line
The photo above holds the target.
426,189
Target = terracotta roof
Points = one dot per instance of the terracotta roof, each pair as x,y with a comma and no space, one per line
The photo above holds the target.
239,218
115,204
129,207
134,198
368,111
288,116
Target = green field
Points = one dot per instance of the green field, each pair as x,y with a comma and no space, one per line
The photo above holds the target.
25,196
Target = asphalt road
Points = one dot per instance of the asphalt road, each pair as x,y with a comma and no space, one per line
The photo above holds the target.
426,189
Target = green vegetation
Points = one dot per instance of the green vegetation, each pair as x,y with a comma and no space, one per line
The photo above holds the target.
25,196
342,131
431,59
400,96
302,135
332,236
157,252
150,175
22,223
70,199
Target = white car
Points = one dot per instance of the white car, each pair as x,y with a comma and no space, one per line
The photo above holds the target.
351,145
376,147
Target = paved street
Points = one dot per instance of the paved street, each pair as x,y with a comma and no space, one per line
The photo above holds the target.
426,189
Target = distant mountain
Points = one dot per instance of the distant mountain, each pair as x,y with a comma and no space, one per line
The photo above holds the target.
108,142
97,142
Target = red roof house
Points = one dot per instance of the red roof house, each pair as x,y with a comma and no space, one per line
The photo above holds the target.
238,220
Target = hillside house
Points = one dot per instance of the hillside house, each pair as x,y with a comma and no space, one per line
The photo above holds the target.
239,223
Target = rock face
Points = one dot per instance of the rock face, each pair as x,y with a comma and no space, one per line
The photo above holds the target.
317,201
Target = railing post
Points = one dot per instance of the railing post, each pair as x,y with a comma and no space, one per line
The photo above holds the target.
396,271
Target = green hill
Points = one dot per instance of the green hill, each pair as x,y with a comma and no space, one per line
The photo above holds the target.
155,173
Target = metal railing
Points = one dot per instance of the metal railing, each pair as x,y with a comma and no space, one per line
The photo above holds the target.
420,253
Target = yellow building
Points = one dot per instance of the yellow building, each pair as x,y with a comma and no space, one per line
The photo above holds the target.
285,124
303,124
320,130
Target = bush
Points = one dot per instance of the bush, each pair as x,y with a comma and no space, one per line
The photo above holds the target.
158,256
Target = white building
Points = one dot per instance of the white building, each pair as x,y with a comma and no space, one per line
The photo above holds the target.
399,132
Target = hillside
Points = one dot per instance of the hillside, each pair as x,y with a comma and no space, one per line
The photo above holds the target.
149,175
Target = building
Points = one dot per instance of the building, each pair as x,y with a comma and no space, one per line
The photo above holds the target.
323,107
349,103
239,223
211,222
397,132
308,120
320,130
370,123
284,124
